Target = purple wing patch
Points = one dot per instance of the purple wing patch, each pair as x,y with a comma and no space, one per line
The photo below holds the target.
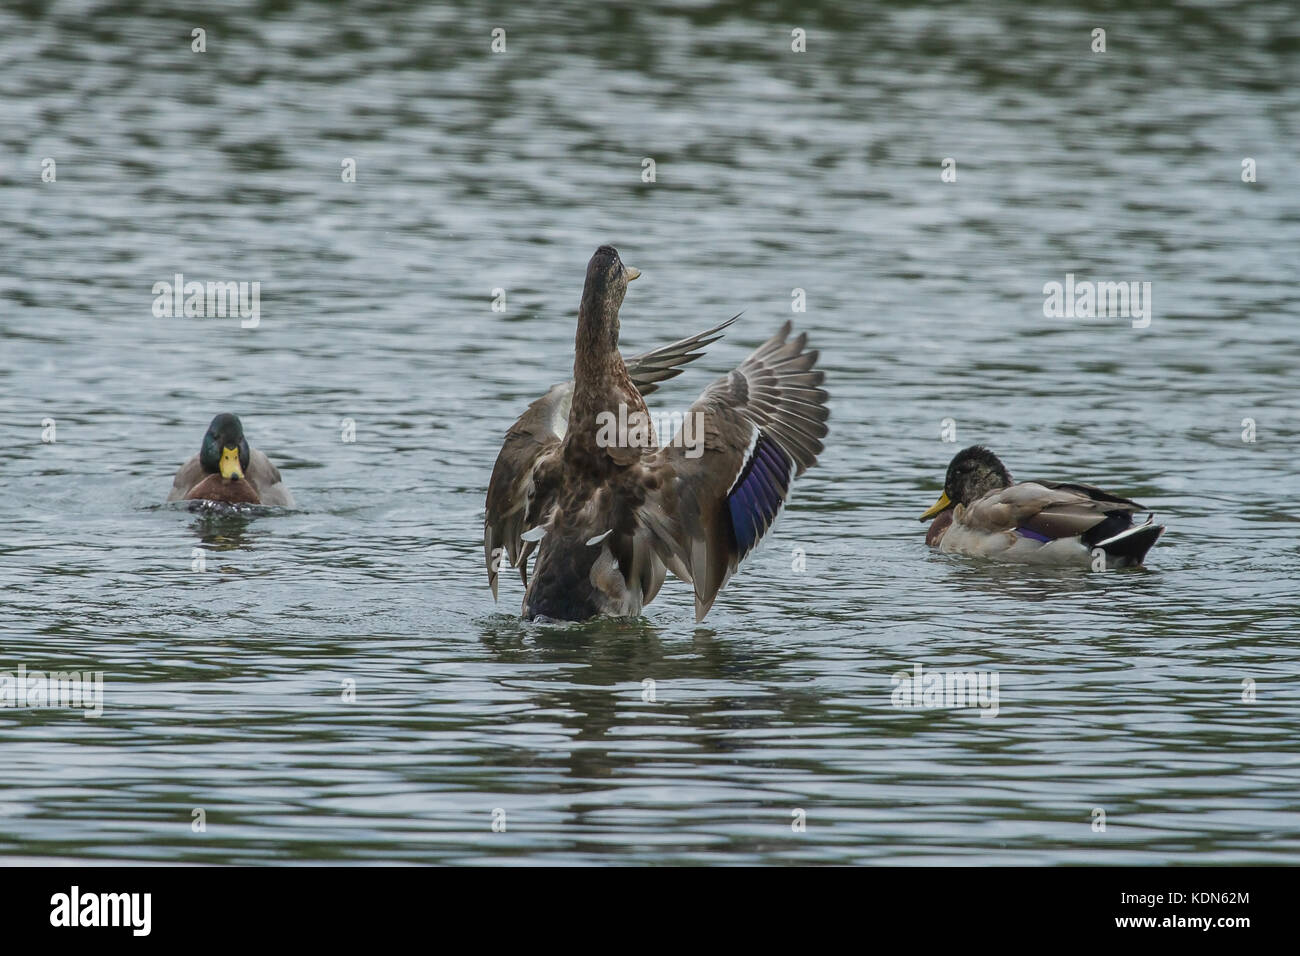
758,493
1027,533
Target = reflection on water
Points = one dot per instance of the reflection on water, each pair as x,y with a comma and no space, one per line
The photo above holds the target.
333,682
222,530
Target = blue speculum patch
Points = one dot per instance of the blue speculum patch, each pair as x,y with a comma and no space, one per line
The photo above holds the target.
757,496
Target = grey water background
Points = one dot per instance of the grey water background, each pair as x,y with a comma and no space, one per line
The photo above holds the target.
775,170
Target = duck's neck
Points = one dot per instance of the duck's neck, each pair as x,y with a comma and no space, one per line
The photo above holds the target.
595,348
600,379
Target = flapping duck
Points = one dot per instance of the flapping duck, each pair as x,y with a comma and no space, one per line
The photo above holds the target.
581,478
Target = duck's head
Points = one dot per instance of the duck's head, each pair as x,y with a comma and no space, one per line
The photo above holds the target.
972,474
602,295
225,451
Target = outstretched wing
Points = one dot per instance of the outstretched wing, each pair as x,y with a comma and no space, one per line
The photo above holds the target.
514,492
713,495
525,476
648,369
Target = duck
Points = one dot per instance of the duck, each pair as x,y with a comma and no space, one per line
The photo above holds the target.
582,481
983,513
228,471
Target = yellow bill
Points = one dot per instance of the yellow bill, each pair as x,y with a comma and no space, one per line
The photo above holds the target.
631,272
943,504
230,464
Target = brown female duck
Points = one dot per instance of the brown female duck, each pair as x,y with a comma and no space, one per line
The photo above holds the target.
582,480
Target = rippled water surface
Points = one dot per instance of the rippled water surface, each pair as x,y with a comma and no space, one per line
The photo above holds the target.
774,171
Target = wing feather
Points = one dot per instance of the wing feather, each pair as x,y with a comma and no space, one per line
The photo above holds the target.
1051,509
531,444
650,368
763,424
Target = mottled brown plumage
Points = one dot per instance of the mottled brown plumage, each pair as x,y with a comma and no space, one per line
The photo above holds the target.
524,462
608,519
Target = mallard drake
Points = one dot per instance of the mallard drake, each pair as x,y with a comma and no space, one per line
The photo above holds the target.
982,513
227,470
609,511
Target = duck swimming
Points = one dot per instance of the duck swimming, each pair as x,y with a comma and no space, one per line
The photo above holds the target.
609,514
227,470
982,513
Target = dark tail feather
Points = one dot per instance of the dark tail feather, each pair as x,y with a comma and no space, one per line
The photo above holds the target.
1131,546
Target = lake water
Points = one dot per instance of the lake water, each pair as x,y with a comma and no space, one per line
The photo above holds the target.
1128,693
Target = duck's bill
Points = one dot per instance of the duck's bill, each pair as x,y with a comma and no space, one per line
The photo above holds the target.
230,464
631,272
940,506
